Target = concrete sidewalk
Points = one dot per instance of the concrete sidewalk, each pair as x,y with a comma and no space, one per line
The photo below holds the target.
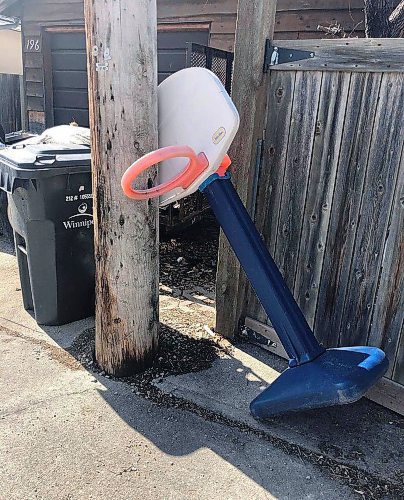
66,433
363,436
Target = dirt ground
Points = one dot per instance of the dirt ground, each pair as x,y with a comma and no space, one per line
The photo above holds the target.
187,342
188,259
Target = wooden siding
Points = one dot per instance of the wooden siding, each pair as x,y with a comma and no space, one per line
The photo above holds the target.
329,200
295,19
220,14
10,105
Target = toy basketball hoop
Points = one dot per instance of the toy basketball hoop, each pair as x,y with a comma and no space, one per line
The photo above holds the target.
197,123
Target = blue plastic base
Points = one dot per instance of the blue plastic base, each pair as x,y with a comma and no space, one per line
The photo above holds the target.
316,377
337,377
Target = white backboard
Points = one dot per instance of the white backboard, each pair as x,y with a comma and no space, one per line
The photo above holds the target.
194,110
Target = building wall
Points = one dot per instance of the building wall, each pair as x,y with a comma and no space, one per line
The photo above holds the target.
11,61
299,19
218,16
295,19
10,103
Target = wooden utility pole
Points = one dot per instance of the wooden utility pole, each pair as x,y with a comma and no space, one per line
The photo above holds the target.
255,23
122,71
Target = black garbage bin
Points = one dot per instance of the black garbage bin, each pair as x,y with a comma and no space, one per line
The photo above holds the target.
50,209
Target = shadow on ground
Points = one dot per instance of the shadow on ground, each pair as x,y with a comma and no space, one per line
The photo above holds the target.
217,383
359,446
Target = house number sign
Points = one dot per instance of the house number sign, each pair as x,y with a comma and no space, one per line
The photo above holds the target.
32,44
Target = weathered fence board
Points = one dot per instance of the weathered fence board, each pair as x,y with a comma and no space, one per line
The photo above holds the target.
280,102
355,144
249,92
302,129
388,315
10,104
270,180
365,54
378,193
324,162
329,201
388,393
398,371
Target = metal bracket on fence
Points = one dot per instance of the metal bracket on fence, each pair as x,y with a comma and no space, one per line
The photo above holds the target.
275,55
250,335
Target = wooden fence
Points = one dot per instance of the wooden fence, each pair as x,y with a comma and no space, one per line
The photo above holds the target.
329,199
10,105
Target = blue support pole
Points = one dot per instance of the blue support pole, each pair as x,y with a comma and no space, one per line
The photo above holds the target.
277,300
316,377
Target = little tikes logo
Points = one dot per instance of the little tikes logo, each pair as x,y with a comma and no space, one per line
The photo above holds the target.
218,136
81,219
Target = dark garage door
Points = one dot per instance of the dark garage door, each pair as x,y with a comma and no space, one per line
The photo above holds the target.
69,71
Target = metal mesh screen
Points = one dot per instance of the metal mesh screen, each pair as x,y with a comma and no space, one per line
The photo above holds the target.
192,208
198,60
218,61
219,67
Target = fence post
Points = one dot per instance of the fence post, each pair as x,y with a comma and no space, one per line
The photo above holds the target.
255,23
122,69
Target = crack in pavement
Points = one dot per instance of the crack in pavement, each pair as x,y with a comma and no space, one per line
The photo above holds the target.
55,352
37,404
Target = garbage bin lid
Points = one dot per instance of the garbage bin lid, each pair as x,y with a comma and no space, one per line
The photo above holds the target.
44,156
33,161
